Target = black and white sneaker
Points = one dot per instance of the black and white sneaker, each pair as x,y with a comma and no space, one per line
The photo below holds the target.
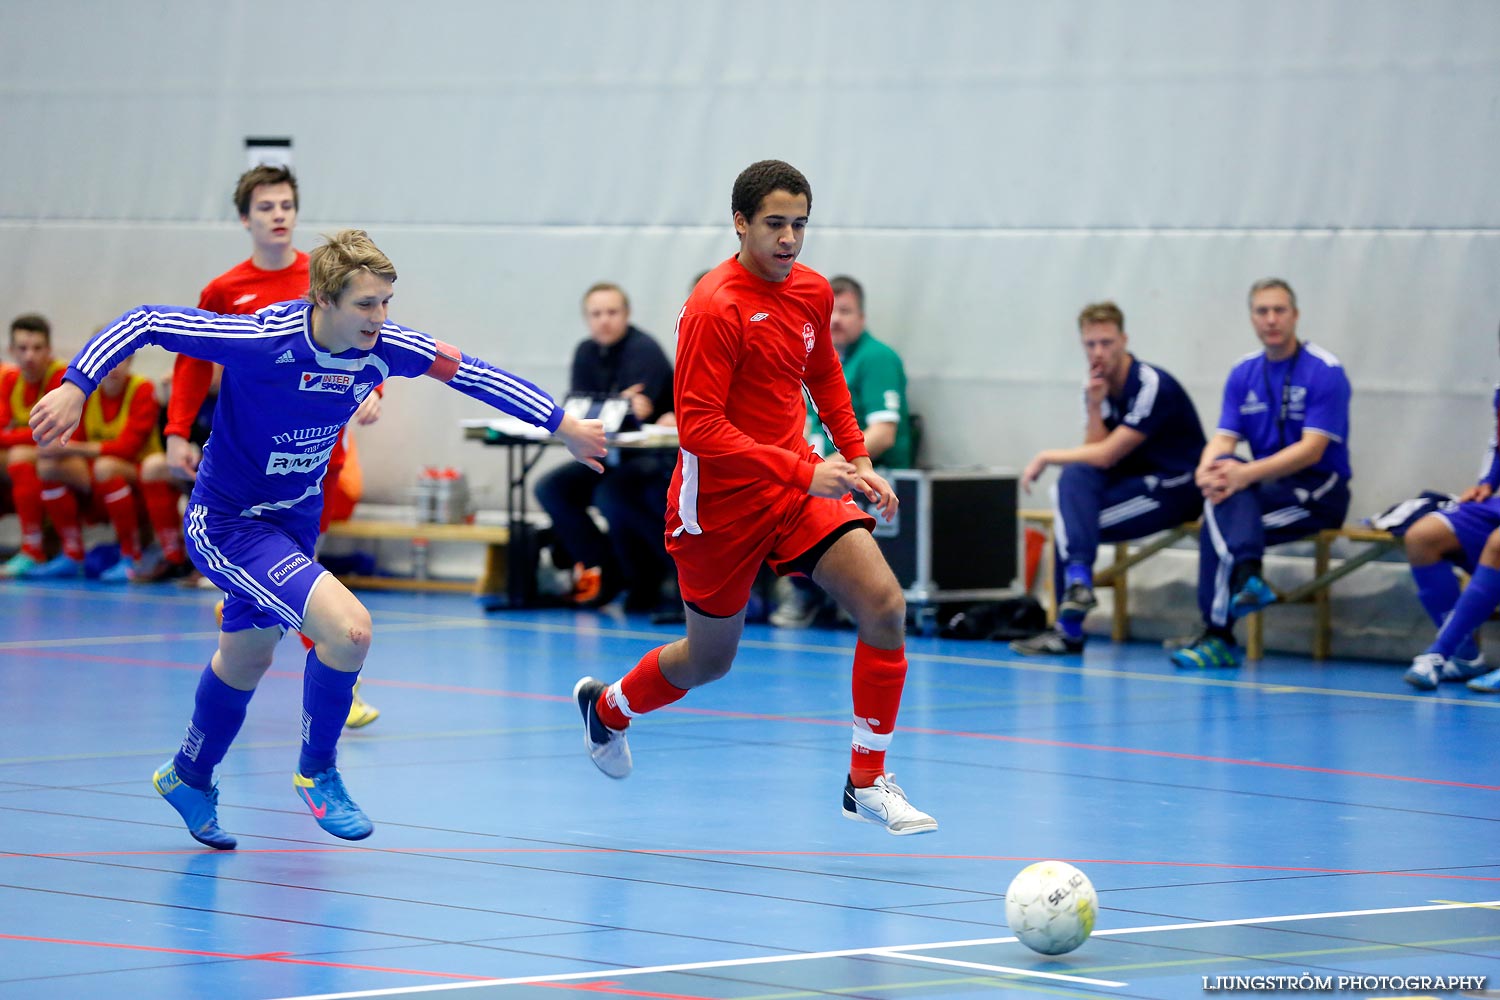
1077,601
884,804
1053,642
607,747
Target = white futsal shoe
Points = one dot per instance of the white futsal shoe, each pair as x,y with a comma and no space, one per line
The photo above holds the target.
607,747
884,804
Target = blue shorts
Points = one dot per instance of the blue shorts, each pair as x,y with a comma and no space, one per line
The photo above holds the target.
267,572
1473,523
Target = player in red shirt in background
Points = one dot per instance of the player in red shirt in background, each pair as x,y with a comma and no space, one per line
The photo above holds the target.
36,373
105,460
6,507
267,200
748,489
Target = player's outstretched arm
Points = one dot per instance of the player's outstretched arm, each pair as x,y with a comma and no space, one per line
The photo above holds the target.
584,440
55,416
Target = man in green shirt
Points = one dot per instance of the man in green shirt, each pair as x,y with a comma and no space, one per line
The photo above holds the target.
877,382
877,387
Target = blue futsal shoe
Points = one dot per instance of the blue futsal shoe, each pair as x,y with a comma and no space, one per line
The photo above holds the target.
1464,668
331,805
16,565
198,809
58,568
1488,684
1255,595
1207,653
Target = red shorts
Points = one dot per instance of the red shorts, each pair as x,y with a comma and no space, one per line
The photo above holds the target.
716,569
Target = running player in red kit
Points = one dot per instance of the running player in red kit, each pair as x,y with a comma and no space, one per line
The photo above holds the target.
748,489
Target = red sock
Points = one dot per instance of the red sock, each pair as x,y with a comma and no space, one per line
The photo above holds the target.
166,519
642,690
879,675
26,490
62,508
119,504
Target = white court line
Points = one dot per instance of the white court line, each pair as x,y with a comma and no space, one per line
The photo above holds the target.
1004,969
891,951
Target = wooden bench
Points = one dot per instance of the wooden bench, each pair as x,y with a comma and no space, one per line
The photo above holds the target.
1115,575
1317,590
494,538
1376,543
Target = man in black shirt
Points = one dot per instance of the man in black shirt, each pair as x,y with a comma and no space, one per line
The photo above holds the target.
617,360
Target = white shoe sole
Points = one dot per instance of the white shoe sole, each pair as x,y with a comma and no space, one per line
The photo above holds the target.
910,832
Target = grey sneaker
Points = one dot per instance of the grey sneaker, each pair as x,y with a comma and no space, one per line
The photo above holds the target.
1425,671
1052,642
884,803
607,747
796,606
1077,601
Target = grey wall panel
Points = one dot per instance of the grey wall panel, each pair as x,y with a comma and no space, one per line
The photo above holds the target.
985,168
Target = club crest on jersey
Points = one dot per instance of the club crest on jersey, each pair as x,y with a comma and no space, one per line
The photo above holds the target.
326,382
362,390
808,337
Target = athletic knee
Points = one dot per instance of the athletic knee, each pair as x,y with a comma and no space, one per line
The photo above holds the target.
1491,555
108,468
883,611
347,645
1428,540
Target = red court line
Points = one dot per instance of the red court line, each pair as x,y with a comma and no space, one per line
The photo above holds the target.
804,720
732,853
275,957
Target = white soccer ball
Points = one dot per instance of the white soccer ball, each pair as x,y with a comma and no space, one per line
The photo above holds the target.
1050,907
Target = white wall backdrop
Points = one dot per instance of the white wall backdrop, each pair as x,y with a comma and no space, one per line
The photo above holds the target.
985,167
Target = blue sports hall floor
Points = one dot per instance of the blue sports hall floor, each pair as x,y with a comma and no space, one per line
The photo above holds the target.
1287,818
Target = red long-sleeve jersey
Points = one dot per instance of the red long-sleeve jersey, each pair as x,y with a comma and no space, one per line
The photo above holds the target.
18,396
745,346
243,288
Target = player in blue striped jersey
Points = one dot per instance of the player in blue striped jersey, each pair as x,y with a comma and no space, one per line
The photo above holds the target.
1464,534
1132,476
1289,402
294,373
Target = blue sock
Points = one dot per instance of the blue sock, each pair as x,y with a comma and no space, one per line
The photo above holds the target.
326,696
1078,573
1437,589
218,713
1072,628
1475,604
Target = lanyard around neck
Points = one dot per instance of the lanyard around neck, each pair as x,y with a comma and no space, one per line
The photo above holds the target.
1286,392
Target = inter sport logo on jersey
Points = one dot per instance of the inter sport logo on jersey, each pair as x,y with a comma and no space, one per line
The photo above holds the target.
326,382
